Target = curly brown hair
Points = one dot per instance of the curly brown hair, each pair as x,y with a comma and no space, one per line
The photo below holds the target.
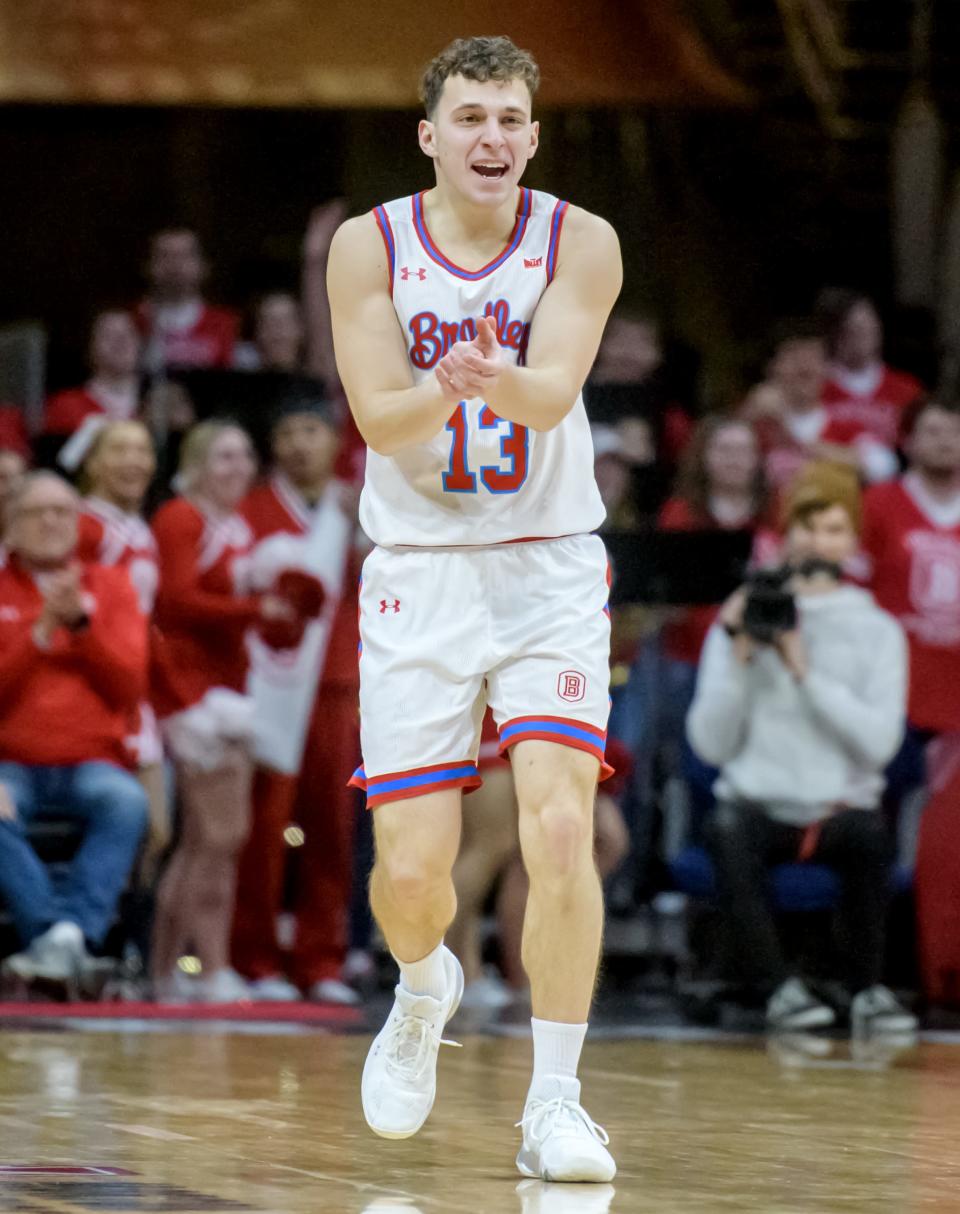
480,59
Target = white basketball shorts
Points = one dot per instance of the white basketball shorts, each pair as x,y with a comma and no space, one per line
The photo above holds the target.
524,627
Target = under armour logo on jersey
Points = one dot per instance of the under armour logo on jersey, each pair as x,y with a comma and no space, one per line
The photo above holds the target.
531,263
419,272
385,606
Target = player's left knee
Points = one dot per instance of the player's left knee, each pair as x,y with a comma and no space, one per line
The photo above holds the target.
558,840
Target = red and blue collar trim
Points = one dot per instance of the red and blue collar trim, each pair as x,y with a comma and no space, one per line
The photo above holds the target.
431,250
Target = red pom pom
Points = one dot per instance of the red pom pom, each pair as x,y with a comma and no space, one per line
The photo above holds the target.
302,591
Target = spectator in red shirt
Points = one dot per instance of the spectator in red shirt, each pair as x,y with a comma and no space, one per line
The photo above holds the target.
73,668
794,425
911,538
303,509
113,389
861,389
178,325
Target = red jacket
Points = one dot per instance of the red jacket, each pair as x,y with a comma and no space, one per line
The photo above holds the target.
200,619
76,701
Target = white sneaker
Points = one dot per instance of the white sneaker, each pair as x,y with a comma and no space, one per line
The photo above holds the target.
223,986
489,994
55,956
560,1142
175,988
332,990
400,1075
274,989
792,1007
537,1197
877,1010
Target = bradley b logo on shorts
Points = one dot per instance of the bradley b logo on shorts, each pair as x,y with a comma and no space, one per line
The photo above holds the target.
571,686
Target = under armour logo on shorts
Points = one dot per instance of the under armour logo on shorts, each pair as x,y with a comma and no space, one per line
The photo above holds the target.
571,686
385,606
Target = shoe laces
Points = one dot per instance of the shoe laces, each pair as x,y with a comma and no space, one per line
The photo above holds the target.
409,1046
538,1115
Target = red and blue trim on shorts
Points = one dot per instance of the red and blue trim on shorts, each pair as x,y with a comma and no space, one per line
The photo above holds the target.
564,731
416,782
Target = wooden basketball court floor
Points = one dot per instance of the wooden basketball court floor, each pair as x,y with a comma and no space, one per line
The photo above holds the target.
265,1119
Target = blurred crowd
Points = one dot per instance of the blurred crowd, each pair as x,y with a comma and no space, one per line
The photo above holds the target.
178,642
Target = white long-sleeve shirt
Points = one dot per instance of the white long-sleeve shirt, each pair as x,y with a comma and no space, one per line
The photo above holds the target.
800,749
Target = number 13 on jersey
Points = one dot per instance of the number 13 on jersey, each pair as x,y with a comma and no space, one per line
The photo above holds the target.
505,477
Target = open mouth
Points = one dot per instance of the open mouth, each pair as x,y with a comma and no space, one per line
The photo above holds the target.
489,170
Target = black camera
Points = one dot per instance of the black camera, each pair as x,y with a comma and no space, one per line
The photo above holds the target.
770,608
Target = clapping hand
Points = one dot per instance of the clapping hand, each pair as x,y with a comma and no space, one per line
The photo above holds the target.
472,368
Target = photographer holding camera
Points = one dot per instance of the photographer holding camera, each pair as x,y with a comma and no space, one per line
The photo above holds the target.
800,702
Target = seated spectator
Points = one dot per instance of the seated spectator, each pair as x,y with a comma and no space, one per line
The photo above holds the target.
179,327
73,668
801,725
113,389
308,731
911,541
860,388
116,474
630,389
278,336
794,425
722,485
612,468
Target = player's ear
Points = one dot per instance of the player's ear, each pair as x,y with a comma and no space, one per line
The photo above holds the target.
427,135
534,139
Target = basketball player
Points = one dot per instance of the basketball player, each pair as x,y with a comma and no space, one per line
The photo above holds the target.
465,321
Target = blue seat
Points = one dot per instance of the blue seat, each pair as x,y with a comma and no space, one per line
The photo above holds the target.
793,887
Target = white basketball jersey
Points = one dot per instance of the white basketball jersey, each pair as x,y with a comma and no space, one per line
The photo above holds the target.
481,480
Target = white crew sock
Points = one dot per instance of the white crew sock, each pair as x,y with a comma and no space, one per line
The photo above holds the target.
428,976
556,1051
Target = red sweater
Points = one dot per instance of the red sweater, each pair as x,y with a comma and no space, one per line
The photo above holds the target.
200,619
76,701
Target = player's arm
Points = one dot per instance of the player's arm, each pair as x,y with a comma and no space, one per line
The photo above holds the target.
567,327
390,410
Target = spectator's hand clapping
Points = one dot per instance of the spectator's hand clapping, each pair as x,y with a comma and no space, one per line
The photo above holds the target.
62,597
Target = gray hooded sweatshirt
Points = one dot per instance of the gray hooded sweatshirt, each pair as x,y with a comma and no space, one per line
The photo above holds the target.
803,749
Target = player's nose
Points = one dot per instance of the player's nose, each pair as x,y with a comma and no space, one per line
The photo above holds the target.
492,134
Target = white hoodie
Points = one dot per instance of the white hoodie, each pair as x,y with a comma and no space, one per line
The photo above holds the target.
801,749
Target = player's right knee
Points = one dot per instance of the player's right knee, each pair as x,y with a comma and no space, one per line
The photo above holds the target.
413,880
